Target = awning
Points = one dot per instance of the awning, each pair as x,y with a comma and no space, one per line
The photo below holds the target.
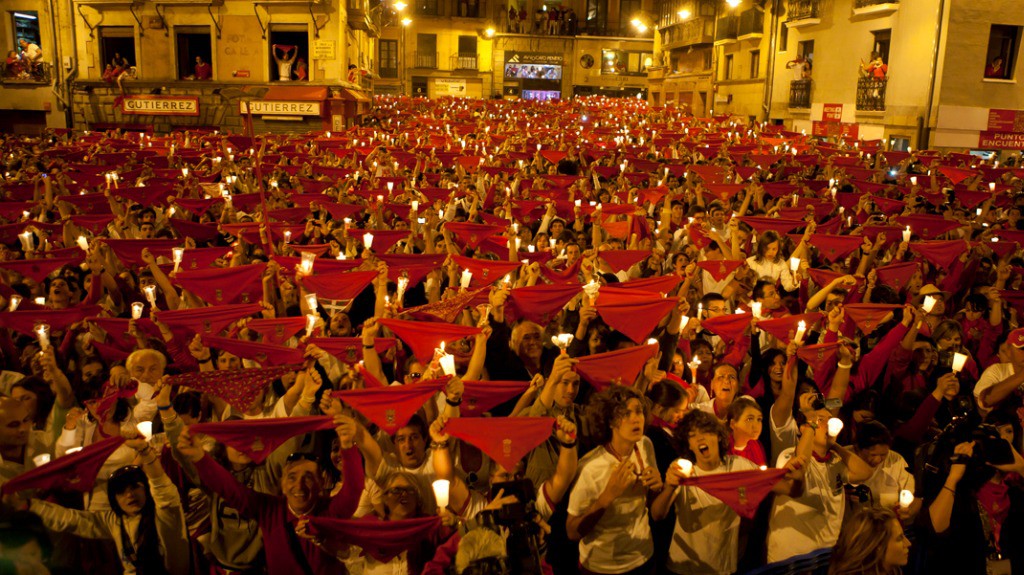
304,93
354,95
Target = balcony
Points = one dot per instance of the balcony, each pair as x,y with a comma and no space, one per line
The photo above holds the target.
751,24
871,94
465,61
800,93
468,9
803,13
425,60
690,33
389,72
22,76
875,7
728,29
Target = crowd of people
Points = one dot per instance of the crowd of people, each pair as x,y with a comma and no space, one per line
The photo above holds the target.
586,336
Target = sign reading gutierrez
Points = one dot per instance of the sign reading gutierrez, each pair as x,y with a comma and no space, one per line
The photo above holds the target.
280,108
161,105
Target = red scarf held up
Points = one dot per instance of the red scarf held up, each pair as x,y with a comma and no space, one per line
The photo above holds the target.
238,387
350,349
618,367
424,337
480,396
743,491
536,303
74,472
266,354
235,285
258,438
391,407
505,439
207,320
868,316
382,540
635,314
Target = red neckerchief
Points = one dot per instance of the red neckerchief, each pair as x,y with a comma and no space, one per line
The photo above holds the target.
636,451
994,500
822,458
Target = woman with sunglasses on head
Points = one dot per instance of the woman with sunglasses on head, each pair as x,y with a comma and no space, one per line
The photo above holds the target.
146,520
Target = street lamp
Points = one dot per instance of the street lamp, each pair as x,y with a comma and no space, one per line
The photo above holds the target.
684,14
399,6
639,25
489,32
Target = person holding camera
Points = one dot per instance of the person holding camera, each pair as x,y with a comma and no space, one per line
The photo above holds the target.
608,507
975,521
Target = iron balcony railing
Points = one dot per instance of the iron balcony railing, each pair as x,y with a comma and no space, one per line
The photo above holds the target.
464,61
800,93
426,59
803,9
871,94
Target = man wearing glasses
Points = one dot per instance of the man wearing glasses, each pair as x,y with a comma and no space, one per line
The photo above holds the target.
302,496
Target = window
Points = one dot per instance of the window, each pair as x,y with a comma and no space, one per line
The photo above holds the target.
426,7
805,50
706,8
621,62
628,9
467,45
1001,57
783,37
727,72
289,52
707,59
194,51
26,27
117,46
755,63
881,45
426,50
466,57
388,58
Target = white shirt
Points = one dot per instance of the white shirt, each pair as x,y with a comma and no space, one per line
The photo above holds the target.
992,375
777,271
784,437
706,536
812,521
889,479
621,539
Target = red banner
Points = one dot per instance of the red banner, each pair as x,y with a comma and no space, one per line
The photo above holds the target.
1006,120
990,140
835,130
832,113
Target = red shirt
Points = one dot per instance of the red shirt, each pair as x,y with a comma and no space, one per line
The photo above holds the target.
753,451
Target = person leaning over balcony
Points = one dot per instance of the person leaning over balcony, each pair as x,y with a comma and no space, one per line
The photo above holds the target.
876,68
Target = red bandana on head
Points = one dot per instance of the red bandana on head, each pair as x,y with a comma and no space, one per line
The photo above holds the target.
835,248
505,439
382,540
74,472
207,320
485,271
729,327
940,253
25,321
868,316
238,387
720,269
634,313
743,491
896,276
480,396
471,235
621,260
819,355
38,269
258,438
424,337
266,354
536,303
391,407
618,367
350,349
338,286
784,328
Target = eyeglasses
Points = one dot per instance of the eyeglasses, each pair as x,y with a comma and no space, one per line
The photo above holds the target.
399,491
300,456
415,375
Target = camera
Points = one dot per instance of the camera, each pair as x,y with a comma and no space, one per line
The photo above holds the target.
937,457
518,520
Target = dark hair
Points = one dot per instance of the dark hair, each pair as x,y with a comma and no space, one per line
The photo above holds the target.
666,393
607,407
758,292
738,406
763,241
21,528
188,403
872,433
44,397
148,558
1003,416
418,422
701,421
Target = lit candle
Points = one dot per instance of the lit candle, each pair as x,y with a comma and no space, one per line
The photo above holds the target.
755,308
41,459
552,243
447,362
929,303
27,242
959,360
835,425
906,234
913,180
467,276
801,329
311,302
40,300
441,489
991,186
137,309
562,340
73,450
14,302
184,172
287,236
906,498
43,334
403,284
150,292
794,264
685,466
145,429
310,324
415,205
83,243
367,240
306,266
391,187
683,321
